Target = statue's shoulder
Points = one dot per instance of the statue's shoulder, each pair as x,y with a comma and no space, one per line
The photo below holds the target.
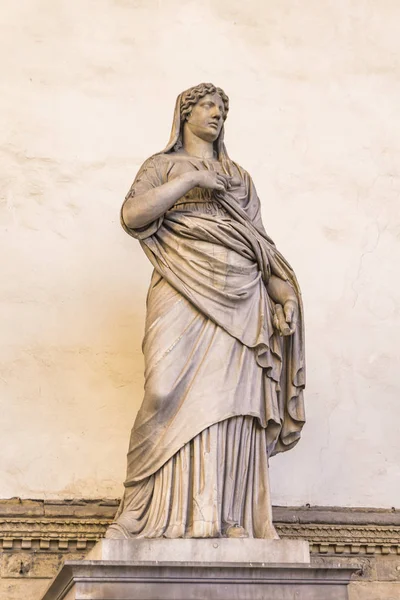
155,162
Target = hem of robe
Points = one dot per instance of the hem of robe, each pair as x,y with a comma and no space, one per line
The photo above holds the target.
219,479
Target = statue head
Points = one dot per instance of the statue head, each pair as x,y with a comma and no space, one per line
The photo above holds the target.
192,96
185,104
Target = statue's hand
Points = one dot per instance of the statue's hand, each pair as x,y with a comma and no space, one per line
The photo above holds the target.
285,319
213,181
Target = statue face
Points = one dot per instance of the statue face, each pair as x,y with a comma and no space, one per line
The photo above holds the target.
206,119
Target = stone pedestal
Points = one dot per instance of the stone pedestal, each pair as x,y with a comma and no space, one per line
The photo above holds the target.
199,551
219,569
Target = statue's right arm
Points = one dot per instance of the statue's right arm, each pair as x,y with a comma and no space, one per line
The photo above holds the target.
140,210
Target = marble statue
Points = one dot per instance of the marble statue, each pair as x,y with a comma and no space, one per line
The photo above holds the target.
223,344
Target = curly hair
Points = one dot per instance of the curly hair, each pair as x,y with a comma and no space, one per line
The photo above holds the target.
191,97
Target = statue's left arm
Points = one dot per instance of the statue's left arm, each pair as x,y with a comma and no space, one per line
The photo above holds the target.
279,290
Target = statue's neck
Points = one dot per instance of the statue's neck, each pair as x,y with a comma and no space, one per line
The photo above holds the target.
195,146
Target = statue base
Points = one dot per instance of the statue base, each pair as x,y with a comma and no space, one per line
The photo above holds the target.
194,569
207,550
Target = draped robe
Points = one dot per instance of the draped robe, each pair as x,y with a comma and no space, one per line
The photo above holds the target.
223,391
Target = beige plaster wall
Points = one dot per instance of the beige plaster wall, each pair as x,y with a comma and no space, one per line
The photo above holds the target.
87,93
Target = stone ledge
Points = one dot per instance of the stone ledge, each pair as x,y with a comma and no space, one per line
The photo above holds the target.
336,515
98,580
221,551
73,508
106,508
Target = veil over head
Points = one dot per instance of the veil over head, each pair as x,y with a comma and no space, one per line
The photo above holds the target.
177,133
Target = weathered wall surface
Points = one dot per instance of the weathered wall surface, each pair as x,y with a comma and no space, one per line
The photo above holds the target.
87,93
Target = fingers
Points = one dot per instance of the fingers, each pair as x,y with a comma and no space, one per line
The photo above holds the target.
283,327
291,311
285,319
222,180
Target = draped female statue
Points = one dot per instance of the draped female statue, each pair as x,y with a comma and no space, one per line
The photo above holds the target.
223,344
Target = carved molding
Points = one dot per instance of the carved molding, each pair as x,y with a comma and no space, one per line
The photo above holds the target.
75,526
51,534
350,539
